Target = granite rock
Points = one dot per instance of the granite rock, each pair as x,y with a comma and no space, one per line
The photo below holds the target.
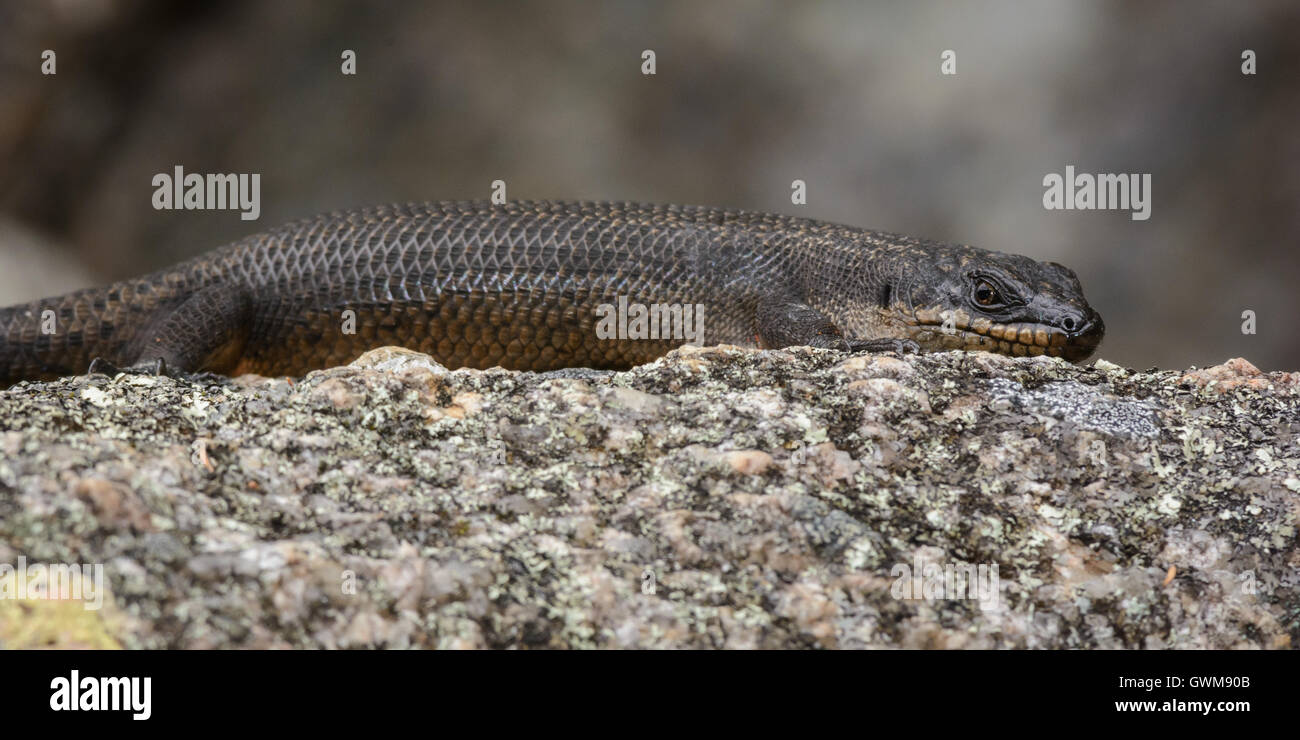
716,498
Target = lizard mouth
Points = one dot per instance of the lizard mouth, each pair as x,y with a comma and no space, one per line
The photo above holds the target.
940,329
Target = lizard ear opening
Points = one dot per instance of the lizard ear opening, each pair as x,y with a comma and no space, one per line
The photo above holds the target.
886,293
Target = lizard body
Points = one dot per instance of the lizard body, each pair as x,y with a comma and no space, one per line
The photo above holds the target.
518,285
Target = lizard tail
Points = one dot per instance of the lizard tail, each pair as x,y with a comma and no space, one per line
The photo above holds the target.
53,337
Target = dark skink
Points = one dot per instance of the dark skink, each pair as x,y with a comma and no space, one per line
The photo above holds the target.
520,285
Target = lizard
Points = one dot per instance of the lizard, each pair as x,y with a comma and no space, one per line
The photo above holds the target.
518,285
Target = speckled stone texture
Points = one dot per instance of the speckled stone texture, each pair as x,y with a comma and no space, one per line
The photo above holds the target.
717,497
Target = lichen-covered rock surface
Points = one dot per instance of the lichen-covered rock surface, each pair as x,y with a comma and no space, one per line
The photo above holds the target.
718,497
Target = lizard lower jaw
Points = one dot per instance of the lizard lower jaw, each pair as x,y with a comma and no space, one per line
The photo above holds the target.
1022,339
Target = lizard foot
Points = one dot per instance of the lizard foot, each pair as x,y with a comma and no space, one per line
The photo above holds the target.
901,346
100,366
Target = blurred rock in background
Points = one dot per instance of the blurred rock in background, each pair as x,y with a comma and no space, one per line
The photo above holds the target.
747,97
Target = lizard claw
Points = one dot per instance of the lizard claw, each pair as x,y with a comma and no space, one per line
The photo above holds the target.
900,346
100,366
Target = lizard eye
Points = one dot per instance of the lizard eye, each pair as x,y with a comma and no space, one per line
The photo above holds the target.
986,293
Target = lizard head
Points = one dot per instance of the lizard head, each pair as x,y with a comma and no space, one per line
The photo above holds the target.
976,299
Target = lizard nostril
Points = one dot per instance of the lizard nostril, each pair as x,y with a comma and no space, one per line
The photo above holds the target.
1068,324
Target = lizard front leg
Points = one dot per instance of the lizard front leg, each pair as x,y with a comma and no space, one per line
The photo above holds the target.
789,323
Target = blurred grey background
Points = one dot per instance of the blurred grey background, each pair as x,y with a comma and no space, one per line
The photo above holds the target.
748,96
